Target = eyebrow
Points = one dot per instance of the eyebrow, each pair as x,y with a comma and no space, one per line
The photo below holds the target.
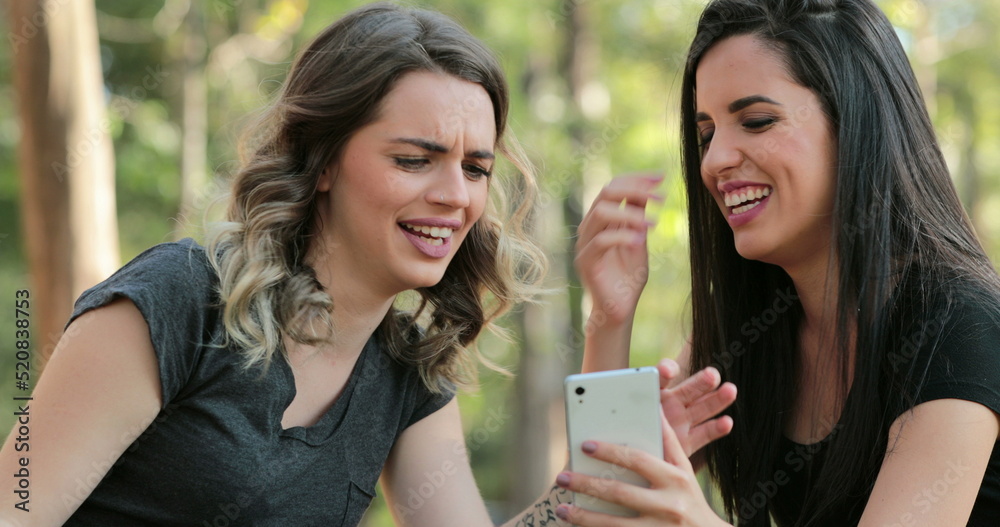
431,146
738,105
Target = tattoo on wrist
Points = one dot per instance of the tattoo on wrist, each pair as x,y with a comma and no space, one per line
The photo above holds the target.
543,512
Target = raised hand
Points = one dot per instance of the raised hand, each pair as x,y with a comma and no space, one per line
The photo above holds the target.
613,264
611,256
690,407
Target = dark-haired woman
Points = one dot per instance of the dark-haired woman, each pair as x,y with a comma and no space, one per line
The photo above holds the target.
272,378
836,280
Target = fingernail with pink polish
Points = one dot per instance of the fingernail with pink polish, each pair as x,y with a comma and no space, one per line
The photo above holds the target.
589,447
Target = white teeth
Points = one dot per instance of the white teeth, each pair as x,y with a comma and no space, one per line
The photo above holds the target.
436,233
736,198
744,208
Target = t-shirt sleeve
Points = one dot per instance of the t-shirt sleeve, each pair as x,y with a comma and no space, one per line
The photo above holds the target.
172,286
967,363
426,402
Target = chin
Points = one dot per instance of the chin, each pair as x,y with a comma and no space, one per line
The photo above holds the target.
427,280
752,251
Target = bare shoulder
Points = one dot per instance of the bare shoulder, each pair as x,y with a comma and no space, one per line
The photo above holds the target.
944,441
98,392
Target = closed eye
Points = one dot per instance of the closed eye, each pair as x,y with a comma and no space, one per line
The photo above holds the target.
759,124
705,138
706,129
411,163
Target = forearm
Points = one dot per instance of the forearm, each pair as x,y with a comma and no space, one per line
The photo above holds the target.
606,346
542,513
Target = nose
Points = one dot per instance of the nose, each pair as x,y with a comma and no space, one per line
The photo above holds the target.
450,187
722,158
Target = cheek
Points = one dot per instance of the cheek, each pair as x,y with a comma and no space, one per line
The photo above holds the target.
709,183
479,197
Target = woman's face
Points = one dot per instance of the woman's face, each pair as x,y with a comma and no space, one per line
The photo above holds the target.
409,186
769,155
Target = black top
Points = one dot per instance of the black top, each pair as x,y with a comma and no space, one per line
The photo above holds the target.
217,453
965,366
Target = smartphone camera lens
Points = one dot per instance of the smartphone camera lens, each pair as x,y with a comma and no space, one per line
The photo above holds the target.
580,390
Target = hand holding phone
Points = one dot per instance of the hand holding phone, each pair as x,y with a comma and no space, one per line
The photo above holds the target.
619,406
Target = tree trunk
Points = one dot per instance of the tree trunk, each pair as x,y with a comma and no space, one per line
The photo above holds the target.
66,161
194,156
552,339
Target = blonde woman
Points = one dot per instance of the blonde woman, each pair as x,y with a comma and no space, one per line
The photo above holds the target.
269,378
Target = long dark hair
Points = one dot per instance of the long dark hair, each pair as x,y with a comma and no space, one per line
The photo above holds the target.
334,88
902,245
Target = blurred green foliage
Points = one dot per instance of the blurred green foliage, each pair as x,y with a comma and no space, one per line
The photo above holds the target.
629,117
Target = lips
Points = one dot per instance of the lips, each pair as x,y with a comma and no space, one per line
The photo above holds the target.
431,236
744,200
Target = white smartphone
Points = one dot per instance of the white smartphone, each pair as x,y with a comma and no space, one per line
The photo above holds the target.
619,406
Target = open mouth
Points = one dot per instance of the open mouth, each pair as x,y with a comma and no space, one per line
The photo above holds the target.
430,235
746,198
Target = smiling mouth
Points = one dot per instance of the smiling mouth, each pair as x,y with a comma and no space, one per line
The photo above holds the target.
746,198
432,235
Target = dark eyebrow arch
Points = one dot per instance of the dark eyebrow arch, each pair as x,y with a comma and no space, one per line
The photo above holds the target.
738,105
431,146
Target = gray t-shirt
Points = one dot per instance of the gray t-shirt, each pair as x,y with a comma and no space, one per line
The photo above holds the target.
217,453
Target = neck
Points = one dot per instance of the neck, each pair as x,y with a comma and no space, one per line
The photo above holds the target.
357,311
816,283
817,286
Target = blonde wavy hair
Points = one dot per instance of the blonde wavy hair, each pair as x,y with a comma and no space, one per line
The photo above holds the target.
334,88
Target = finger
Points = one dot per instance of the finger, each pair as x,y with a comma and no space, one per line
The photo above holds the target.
641,462
712,404
696,386
673,451
609,240
668,369
605,216
609,488
709,431
632,190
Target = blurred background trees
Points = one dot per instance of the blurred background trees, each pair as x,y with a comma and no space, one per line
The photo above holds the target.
594,85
